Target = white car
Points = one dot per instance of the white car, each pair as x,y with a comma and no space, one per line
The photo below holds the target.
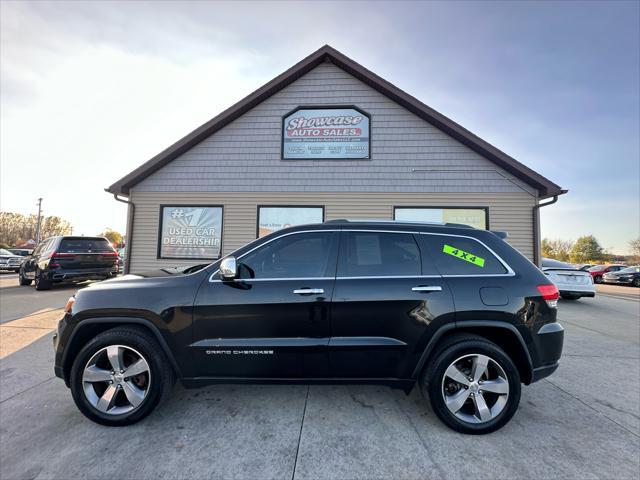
571,282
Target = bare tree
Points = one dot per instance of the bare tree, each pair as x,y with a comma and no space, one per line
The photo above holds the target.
16,228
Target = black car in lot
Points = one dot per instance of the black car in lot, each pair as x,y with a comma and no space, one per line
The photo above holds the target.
626,276
456,310
68,259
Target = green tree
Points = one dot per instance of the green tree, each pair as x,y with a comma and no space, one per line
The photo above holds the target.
587,249
114,237
558,249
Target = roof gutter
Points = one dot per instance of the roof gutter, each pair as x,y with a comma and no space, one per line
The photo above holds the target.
537,255
127,246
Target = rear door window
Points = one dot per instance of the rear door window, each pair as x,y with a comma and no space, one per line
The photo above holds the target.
374,254
84,245
462,256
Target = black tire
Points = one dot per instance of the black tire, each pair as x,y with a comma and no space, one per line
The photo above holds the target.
24,281
41,283
432,382
161,374
597,279
636,282
569,296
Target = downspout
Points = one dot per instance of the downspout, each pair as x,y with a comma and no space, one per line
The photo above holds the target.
127,247
537,255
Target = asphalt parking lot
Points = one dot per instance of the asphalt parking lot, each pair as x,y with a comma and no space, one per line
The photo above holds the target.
583,422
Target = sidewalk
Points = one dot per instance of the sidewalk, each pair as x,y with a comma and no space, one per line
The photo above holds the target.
19,333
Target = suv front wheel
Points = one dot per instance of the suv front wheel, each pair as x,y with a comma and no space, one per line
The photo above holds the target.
473,386
120,376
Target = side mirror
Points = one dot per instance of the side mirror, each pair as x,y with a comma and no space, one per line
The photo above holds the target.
228,268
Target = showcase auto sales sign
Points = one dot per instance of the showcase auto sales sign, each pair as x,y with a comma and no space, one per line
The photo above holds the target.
325,133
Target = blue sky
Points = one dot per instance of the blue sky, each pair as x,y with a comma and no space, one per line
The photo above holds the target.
91,90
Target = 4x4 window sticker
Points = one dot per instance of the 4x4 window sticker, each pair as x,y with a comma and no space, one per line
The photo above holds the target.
463,255
509,270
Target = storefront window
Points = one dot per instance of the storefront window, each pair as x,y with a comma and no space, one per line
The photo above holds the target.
271,219
190,232
475,217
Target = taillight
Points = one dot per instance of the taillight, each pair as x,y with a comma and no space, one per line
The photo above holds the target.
62,255
109,254
550,294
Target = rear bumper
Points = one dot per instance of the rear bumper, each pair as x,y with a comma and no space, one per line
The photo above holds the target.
63,275
582,293
548,342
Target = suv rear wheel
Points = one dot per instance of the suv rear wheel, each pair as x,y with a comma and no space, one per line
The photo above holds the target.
120,376
473,386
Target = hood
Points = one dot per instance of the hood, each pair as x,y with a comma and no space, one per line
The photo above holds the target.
132,278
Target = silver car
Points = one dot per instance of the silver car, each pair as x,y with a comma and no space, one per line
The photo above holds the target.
10,261
571,282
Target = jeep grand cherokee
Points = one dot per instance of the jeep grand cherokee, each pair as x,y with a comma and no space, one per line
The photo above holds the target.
456,310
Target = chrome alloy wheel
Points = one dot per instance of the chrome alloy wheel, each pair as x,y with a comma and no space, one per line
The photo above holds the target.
116,379
475,388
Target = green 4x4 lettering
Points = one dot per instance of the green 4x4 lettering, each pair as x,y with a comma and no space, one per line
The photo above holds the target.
462,255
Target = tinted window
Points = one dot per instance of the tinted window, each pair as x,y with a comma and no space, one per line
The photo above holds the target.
462,256
368,254
42,247
303,255
84,245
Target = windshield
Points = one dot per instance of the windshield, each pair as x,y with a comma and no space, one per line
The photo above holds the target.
630,270
5,252
597,268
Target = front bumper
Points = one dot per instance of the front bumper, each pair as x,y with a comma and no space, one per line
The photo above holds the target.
60,339
10,266
548,343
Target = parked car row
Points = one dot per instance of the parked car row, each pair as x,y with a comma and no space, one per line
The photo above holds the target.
598,271
576,281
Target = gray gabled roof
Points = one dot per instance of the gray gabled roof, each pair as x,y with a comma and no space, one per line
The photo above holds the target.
545,187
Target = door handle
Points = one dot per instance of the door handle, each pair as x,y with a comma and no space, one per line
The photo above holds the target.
308,291
427,288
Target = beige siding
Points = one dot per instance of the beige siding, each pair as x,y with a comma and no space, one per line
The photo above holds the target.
407,153
507,211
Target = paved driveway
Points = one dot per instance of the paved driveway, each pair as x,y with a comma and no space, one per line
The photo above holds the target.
17,301
583,422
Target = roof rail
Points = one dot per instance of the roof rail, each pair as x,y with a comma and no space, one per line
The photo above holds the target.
401,222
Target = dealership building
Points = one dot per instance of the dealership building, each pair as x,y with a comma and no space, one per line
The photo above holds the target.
326,139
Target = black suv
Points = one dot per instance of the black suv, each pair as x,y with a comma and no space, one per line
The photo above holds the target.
455,309
69,259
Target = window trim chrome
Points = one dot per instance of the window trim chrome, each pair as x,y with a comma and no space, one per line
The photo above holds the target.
510,272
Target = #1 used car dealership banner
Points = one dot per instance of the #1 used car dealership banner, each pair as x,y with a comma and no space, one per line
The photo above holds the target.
190,232
325,133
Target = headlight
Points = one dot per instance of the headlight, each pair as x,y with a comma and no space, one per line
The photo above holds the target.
69,305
